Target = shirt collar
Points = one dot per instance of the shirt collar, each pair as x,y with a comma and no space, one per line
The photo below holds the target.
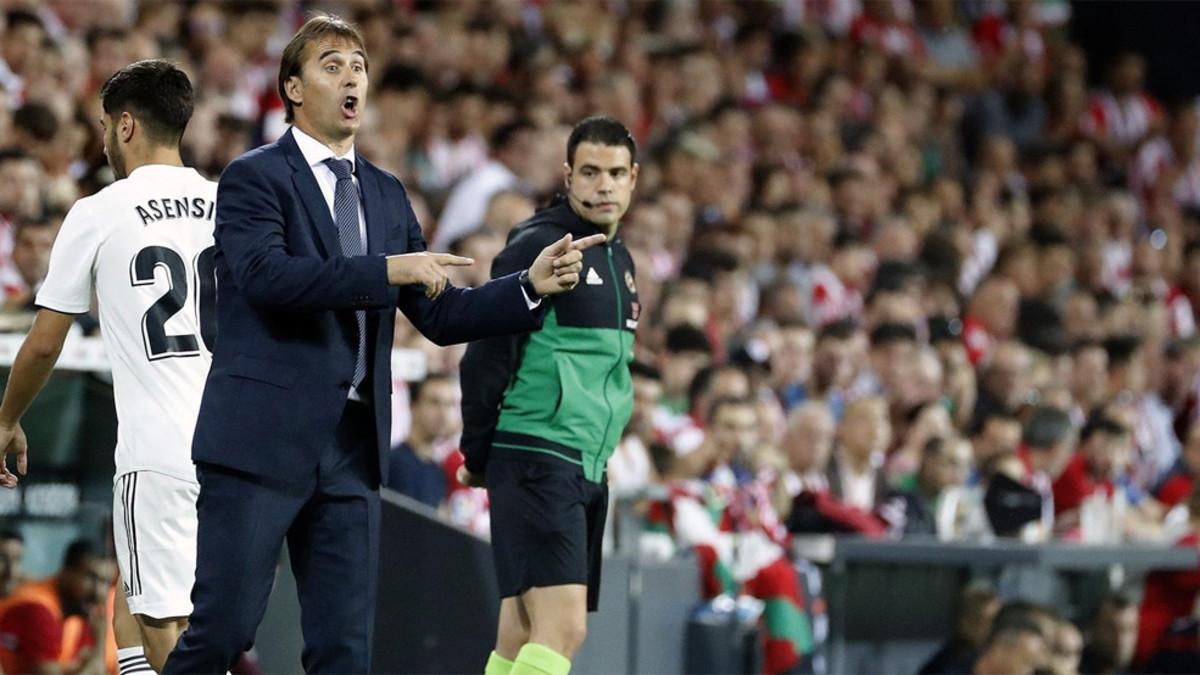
315,152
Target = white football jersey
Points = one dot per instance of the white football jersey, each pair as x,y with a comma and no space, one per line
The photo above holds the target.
145,246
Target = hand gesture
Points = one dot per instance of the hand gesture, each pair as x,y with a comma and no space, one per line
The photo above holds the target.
12,441
557,267
428,269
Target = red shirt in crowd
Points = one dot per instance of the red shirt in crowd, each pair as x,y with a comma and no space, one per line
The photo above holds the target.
1175,488
976,339
1076,484
1168,596
34,630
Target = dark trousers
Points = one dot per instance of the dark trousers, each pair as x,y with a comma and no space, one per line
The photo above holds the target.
331,525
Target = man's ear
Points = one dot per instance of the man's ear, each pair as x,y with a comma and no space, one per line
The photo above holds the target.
125,127
294,88
567,175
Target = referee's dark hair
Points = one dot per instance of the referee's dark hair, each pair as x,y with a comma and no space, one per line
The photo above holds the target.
156,93
600,130
292,60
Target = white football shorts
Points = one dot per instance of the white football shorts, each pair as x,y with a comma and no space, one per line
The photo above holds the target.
154,529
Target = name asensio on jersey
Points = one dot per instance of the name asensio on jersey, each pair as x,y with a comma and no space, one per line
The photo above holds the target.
186,207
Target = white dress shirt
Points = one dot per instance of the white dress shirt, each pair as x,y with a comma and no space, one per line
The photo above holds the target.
315,153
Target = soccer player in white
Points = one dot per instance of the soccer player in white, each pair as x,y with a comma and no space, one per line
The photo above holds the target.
144,247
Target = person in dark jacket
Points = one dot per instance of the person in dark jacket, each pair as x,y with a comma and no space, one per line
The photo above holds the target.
542,413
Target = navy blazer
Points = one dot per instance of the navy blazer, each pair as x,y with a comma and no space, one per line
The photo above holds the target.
286,296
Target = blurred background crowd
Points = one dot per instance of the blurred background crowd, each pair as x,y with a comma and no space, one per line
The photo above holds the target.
905,268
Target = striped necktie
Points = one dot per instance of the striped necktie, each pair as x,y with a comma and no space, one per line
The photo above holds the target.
345,207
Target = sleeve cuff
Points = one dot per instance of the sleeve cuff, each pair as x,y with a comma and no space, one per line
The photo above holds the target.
531,304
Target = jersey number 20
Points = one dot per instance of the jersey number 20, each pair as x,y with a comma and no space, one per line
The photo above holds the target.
159,345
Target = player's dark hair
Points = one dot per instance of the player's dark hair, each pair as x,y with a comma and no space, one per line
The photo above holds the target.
157,93
600,130
316,28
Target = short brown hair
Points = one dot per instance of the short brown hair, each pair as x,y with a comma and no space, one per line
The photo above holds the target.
292,61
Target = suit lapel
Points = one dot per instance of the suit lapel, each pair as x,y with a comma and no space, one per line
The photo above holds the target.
373,208
310,195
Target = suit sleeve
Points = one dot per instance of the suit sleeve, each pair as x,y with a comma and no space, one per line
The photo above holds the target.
489,365
466,314
250,239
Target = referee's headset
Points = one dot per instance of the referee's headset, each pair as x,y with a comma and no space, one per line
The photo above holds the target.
585,203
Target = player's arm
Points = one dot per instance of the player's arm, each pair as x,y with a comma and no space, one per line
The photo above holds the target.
32,367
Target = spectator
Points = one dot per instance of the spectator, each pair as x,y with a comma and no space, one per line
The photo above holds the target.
855,474
20,196
687,352
728,510
1089,377
792,363
977,607
1005,385
31,258
806,501
1122,115
1112,637
924,505
1169,596
1177,484
505,209
1167,168
630,469
1066,648
1013,649
507,168
415,467
1103,455
1047,444
833,365
12,553
61,624
991,317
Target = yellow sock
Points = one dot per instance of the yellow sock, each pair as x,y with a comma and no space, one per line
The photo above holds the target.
498,665
535,659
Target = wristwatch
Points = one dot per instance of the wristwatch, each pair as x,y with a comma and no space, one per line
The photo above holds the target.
527,284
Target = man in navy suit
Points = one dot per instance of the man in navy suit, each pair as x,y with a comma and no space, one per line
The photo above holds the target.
316,249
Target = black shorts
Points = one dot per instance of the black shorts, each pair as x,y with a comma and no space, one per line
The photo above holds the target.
547,526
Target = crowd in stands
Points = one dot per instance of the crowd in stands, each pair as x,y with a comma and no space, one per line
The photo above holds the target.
905,268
